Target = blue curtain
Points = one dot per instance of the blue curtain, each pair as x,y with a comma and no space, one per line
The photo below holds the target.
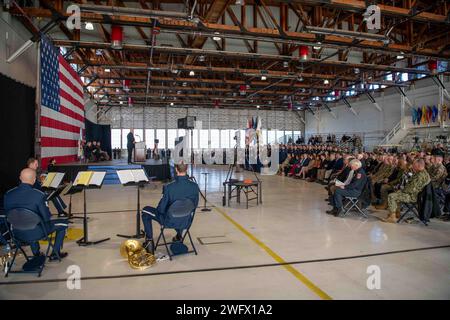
99,132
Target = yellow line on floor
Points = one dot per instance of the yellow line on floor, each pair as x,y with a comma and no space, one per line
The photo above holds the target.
276,257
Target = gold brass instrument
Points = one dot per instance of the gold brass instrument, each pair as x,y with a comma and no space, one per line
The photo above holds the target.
138,257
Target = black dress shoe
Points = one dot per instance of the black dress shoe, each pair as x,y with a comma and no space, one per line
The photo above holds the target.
332,211
54,257
339,213
149,246
64,215
177,238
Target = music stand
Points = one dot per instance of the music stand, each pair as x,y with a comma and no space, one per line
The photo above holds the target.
139,233
205,208
84,241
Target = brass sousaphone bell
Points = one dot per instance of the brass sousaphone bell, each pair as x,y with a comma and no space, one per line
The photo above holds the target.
138,257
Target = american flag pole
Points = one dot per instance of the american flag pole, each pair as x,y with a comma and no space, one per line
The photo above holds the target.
37,128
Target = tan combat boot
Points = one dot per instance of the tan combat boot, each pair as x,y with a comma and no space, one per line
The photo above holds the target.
381,206
391,218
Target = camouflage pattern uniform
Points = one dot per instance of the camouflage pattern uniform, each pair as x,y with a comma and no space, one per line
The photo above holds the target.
437,173
384,172
410,192
391,186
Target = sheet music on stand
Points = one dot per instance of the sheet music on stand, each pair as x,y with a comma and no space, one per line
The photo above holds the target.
127,177
89,178
53,180
52,184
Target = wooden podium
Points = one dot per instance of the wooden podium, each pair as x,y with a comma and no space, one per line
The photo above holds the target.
139,152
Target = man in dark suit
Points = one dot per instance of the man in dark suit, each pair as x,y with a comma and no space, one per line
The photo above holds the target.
353,189
130,144
25,196
180,188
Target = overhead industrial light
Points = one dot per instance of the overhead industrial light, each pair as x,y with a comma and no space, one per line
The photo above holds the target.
317,46
356,70
286,64
174,71
240,2
300,78
217,36
89,26
347,33
263,78
201,58
171,103
184,84
257,107
121,102
192,73
400,56
326,81
107,70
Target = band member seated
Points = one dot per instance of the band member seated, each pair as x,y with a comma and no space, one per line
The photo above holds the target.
180,188
353,189
59,204
26,197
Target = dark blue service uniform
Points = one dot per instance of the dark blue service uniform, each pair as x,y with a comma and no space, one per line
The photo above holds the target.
130,145
353,189
25,196
181,188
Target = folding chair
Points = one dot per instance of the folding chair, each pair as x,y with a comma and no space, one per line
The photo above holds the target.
179,216
410,209
27,227
352,202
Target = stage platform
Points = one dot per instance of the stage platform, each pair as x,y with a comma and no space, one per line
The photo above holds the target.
160,169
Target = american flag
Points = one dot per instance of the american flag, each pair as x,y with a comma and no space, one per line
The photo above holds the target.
62,106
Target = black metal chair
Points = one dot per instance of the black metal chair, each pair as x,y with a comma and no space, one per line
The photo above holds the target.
27,227
352,203
179,216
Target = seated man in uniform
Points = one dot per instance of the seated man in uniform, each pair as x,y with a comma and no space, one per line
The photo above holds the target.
409,193
353,189
25,196
181,188
59,204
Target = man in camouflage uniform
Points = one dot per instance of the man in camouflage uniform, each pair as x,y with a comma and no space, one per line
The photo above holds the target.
437,170
389,186
409,194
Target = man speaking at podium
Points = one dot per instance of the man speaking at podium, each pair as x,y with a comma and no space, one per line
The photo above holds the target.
130,144
180,188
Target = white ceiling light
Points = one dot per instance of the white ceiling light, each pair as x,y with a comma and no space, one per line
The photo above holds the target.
89,26
192,73
201,58
257,107
107,70
217,36
285,64
263,78
326,81
400,56
317,46
171,103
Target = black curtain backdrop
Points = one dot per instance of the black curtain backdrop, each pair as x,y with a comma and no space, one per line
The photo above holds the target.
99,132
17,121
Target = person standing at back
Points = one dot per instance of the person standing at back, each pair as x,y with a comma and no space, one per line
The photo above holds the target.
130,144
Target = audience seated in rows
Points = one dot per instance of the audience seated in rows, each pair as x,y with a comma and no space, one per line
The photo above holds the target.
394,178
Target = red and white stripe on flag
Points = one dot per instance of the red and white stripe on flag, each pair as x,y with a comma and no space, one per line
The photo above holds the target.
61,120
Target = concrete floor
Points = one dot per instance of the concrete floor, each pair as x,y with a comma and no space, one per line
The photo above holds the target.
290,226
